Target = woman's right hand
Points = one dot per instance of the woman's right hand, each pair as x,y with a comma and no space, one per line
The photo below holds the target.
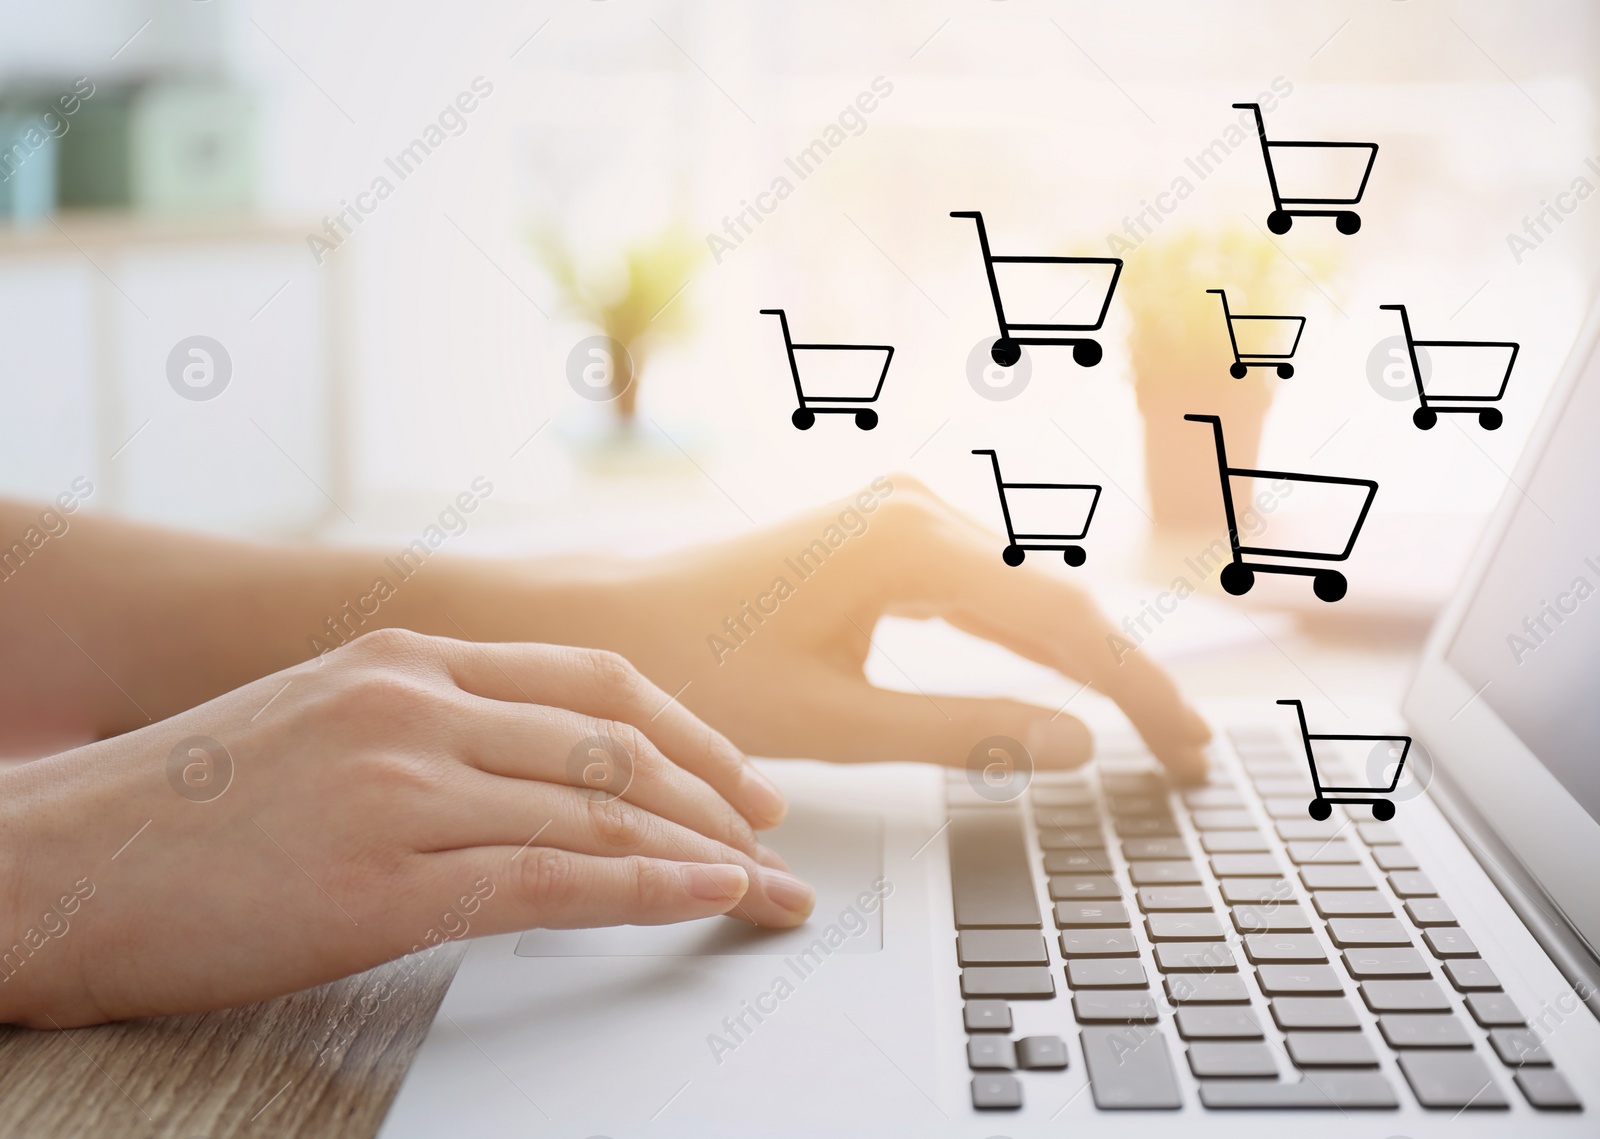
343,812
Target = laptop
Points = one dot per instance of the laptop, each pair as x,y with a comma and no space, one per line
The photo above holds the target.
1101,952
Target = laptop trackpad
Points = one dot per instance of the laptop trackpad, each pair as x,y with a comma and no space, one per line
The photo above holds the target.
840,854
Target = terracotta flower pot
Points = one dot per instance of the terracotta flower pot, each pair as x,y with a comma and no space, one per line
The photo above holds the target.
1180,457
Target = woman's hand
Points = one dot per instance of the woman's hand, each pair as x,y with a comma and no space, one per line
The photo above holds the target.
395,793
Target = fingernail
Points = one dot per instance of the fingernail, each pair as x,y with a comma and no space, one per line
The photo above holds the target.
769,857
1060,742
715,882
761,796
788,891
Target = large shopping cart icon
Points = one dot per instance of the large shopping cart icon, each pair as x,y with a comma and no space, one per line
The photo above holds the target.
1427,415
1244,361
1239,575
1322,806
1285,210
1017,544
1008,349
813,405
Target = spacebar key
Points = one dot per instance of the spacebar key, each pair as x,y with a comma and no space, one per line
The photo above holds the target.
1324,1089
1130,1067
990,878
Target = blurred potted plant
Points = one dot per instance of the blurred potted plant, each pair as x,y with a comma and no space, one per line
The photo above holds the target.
1180,355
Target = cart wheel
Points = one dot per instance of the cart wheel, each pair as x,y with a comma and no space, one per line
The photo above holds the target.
1285,371
803,419
1329,585
1013,555
1425,418
1347,222
866,419
1086,353
1237,578
1320,809
1279,221
1238,371
1074,555
1005,352
1383,810
1490,418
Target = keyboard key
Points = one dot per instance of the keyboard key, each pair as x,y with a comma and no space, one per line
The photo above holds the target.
1330,1050
1000,947
1449,941
1234,842
1337,878
1423,1030
990,878
1206,989
1323,1089
1183,927
1285,808
1285,918
1194,957
1062,796
1314,1012
1149,781
1494,1010
1429,911
1139,849
1182,898
1224,820
1280,785
1245,866
1230,1058
1328,852
1412,884
1351,903
1066,818
1212,1022
1071,840
1013,982
1164,873
1213,798
1444,1079
1299,980
990,1052
1309,830
1091,861
1394,858
986,1016
996,1091
1518,1047
1113,1006
1283,948
1404,996
1470,974
1129,1068
1145,826
1350,933
1041,1052
1249,891
1105,973
1091,915
1139,805
1548,1090
1069,887
1377,834
1098,943
1384,961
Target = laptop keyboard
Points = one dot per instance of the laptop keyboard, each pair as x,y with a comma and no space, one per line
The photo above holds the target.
1283,959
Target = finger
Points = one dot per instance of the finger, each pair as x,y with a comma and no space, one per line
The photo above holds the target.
605,686
491,810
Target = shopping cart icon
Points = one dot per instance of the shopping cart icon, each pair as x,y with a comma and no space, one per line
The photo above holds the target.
1322,806
1240,575
1244,361
1282,215
1008,349
811,406
1017,544
1427,415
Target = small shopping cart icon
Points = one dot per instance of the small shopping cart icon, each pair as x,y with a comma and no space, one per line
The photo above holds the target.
1240,575
1286,209
812,406
1243,361
1007,350
1428,414
1017,544
1377,797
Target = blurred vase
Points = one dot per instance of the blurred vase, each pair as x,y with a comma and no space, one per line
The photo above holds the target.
1180,457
